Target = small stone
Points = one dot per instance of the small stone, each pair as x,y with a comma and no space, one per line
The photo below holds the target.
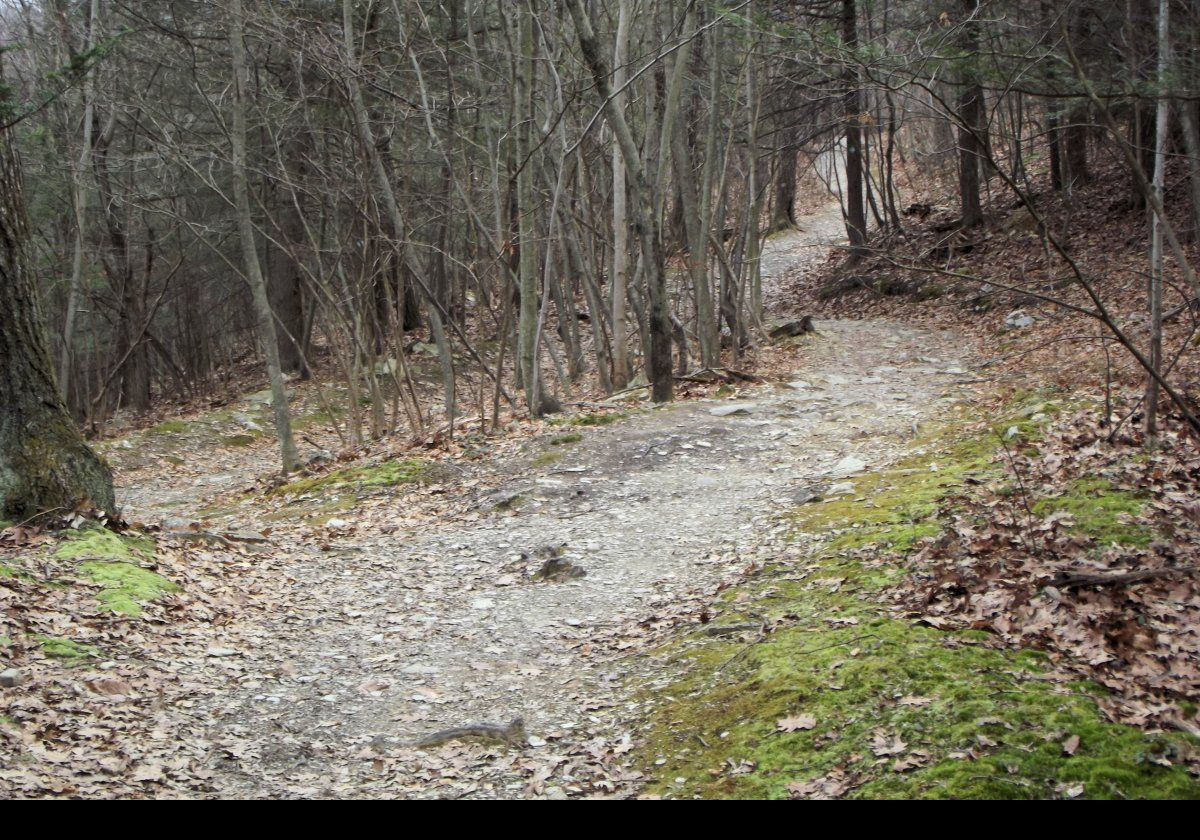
11,678
247,422
246,536
221,652
805,495
423,670
849,466
733,408
1018,319
321,456
482,604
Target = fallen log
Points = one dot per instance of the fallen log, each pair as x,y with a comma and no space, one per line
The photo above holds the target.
1076,580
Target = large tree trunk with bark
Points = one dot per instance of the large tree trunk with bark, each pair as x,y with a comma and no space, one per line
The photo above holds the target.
45,465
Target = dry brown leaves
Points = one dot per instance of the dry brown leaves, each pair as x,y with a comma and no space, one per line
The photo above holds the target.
1127,617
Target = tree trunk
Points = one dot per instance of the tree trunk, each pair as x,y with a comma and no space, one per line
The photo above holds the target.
784,215
78,203
45,465
527,207
253,269
971,116
1076,158
646,224
1156,233
620,261
856,210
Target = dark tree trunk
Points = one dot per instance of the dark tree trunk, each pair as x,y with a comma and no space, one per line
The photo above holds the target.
131,350
856,208
785,185
44,463
1077,152
1054,138
971,140
284,290
285,285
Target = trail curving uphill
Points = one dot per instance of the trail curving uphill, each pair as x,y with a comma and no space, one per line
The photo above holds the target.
387,637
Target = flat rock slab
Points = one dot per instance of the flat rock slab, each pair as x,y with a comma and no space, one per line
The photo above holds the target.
848,466
733,408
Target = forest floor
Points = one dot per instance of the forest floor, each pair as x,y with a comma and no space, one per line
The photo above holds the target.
307,634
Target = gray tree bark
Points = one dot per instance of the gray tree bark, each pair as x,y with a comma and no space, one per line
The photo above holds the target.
45,465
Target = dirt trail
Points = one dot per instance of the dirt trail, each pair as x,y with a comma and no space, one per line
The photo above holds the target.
390,636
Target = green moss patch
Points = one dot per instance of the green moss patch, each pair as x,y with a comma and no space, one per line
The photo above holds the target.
898,505
168,427
125,587
546,459
112,561
238,440
101,544
363,477
1101,511
849,699
68,652
598,418
563,440
903,712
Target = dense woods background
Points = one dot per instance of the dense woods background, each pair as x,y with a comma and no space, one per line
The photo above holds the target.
463,206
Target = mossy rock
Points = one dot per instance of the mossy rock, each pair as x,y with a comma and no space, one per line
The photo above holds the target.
168,427
320,417
363,477
125,587
598,418
547,459
238,440
112,562
100,543
930,291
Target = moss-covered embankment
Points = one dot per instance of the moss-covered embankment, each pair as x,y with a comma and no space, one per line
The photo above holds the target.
848,698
